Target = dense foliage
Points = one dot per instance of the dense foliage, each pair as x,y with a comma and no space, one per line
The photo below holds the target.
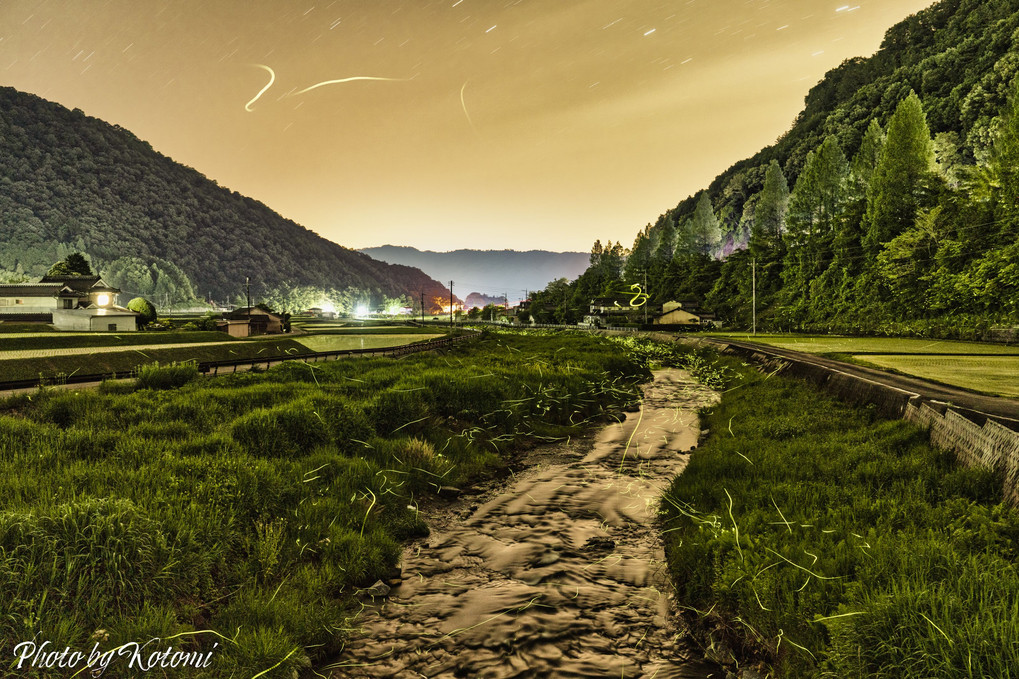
156,228
890,203
827,542
250,509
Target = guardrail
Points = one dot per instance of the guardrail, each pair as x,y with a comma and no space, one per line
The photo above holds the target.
215,367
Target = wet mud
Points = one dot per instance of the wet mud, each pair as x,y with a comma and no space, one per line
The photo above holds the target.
556,572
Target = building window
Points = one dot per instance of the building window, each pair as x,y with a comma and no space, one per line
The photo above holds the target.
18,301
112,327
68,303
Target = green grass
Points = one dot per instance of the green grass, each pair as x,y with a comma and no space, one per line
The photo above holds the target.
249,509
829,542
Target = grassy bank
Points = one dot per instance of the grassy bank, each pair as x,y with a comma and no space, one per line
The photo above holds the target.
79,340
124,362
249,510
827,542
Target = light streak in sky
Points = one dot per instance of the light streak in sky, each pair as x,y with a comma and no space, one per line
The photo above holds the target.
345,80
272,79
464,105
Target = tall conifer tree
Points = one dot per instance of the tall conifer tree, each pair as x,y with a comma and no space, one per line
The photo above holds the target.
770,213
901,180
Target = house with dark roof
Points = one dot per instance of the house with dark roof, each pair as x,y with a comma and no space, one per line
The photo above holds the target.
249,321
84,303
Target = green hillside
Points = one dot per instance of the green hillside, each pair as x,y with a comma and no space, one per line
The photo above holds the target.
889,205
69,182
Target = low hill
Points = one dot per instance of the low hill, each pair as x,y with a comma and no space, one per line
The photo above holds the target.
69,182
490,272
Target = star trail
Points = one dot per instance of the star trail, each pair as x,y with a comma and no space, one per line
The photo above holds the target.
468,123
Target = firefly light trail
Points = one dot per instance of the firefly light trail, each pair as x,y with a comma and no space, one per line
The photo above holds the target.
464,105
345,80
272,79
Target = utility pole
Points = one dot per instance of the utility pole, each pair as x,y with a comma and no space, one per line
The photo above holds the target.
451,305
753,268
422,306
647,297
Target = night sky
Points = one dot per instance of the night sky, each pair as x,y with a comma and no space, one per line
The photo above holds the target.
519,124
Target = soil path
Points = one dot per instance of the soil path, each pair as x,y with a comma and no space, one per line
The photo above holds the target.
557,573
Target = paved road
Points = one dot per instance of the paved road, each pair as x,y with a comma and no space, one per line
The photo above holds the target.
1003,409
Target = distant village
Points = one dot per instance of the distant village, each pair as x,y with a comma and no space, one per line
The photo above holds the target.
73,298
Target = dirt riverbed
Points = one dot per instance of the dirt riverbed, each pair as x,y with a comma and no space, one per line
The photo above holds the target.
557,571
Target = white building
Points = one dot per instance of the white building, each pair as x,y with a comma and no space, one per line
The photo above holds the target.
68,302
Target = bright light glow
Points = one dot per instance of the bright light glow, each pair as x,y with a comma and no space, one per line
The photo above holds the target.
328,307
102,299
361,310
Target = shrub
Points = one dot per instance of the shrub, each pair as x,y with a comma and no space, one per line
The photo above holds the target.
288,430
144,308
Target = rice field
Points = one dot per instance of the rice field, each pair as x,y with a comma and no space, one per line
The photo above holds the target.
827,344
988,374
6,355
986,368
89,340
346,327
56,354
342,342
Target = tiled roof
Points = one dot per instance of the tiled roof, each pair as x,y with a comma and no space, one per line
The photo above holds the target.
29,290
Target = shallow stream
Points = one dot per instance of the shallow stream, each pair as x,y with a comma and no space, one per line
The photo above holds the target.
556,572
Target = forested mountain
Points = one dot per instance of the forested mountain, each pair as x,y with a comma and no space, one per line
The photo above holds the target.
490,272
69,182
890,204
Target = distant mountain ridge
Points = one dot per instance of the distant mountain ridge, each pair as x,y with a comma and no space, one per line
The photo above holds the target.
155,227
491,272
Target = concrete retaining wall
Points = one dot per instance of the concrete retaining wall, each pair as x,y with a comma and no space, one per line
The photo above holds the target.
976,439
991,445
